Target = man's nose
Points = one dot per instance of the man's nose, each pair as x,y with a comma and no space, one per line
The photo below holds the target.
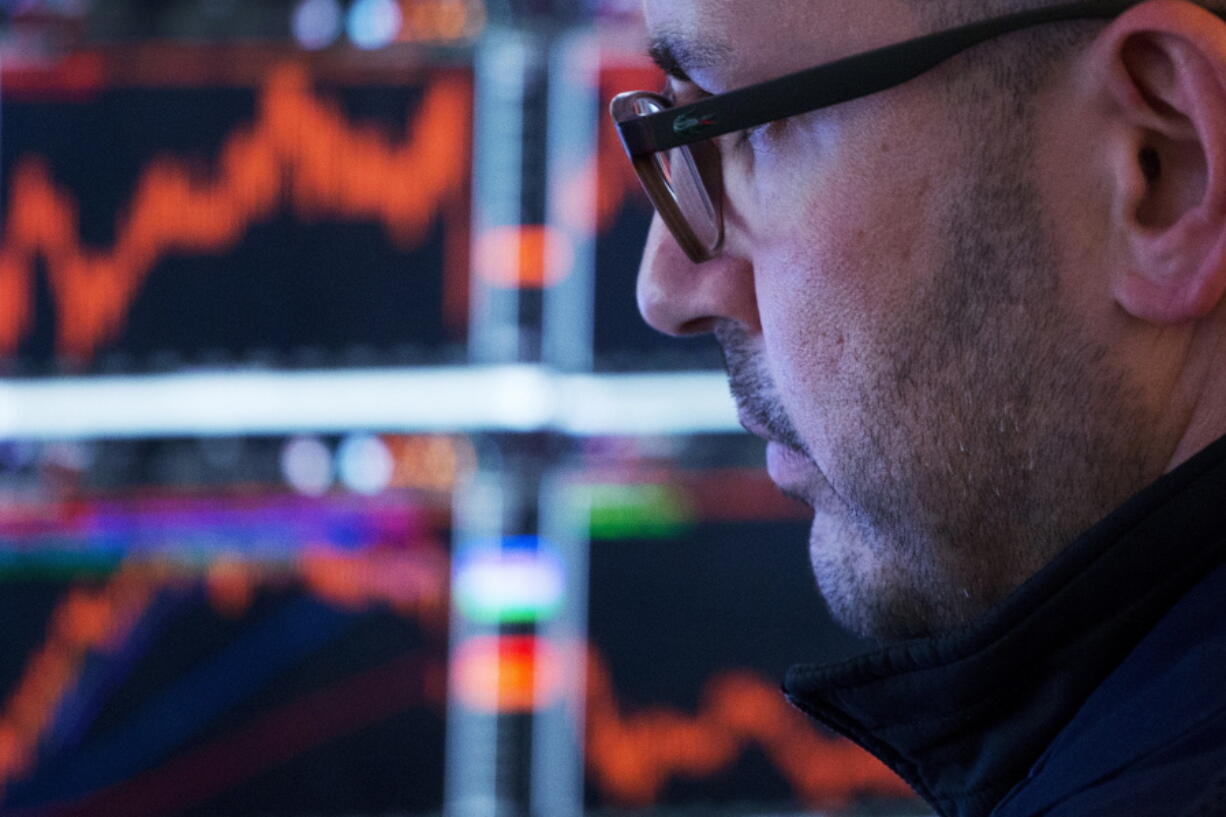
678,297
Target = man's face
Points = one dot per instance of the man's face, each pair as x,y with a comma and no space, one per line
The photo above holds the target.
898,320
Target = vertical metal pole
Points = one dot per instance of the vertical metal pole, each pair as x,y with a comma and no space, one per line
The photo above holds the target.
471,783
558,746
520,528
574,104
495,651
497,578
504,62
558,759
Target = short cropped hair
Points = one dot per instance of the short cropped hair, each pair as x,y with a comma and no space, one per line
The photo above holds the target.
1018,64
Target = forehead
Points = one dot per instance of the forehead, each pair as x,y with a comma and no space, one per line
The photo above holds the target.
740,41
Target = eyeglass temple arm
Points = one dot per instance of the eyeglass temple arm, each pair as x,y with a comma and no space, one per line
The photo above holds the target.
836,82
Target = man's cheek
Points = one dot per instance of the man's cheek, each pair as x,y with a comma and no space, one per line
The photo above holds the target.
805,324
803,362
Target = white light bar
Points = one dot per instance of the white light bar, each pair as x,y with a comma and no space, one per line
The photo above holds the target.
454,399
665,403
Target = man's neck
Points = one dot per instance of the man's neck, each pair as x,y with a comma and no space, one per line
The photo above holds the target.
1204,388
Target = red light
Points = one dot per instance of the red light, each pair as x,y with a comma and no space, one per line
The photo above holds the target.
507,674
528,256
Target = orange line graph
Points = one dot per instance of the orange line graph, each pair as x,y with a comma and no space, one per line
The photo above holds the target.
632,756
299,151
84,620
88,620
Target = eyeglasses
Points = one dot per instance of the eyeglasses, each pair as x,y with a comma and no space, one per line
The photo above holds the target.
679,165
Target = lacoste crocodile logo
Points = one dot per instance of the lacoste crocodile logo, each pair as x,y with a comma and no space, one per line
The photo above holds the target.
687,125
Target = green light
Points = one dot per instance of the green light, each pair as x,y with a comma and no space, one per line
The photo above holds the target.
622,511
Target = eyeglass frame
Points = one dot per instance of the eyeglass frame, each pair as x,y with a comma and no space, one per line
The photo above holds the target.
801,92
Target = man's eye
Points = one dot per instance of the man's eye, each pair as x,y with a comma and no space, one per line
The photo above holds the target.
768,137
755,137
680,93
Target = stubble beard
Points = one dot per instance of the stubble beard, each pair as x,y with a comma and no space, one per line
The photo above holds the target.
993,431
988,430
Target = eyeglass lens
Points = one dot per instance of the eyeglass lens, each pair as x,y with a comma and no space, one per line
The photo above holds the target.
679,170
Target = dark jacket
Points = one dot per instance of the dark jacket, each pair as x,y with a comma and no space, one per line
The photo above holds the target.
1097,688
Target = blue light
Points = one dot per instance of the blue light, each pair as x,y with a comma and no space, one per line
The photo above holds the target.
364,464
317,23
373,23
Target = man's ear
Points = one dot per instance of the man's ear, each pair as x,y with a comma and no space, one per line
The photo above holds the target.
1162,68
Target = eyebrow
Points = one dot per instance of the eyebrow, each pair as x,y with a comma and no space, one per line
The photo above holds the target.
677,54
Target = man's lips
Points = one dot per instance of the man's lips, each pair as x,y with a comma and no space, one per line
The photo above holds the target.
777,452
792,470
754,427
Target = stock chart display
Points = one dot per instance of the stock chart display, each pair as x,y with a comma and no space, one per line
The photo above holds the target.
241,647
241,652
164,209
277,221
282,219
694,620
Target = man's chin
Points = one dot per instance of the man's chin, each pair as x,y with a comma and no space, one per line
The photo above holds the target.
871,596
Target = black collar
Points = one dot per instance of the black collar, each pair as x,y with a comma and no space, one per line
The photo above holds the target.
962,716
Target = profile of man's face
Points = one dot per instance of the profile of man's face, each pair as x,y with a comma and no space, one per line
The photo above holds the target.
898,318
